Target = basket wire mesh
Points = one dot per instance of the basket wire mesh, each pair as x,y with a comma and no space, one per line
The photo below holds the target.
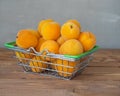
51,64
46,63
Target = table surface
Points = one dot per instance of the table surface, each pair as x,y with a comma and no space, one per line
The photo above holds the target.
100,78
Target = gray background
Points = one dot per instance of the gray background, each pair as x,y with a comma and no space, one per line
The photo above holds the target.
102,17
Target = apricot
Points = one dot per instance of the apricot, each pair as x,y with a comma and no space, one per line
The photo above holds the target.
75,22
40,42
23,56
71,47
36,66
65,68
51,45
61,40
88,40
50,31
42,22
70,31
35,32
26,38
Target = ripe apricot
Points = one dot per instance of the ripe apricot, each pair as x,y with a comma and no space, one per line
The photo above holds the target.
42,22
68,67
35,32
26,38
51,45
75,22
70,31
71,47
40,41
88,40
50,31
23,57
61,40
36,66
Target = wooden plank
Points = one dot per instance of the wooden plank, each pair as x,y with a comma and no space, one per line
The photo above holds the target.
58,87
10,70
85,77
102,70
97,69
100,78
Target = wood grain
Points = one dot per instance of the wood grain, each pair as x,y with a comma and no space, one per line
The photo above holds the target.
100,78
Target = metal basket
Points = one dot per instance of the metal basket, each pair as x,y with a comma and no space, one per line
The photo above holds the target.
46,63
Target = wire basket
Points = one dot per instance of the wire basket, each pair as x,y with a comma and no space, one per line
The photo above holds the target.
46,63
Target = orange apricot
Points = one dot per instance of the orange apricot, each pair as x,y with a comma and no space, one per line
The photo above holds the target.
51,45
61,40
26,38
88,40
36,65
70,31
71,47
50,31
42,22
67,66
35,32
23,57
40,42
75,22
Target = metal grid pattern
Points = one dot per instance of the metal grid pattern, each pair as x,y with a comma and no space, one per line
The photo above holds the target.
49,64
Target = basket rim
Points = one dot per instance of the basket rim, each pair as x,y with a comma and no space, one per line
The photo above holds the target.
12,46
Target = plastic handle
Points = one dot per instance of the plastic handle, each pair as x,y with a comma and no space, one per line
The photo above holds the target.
9,45
83,54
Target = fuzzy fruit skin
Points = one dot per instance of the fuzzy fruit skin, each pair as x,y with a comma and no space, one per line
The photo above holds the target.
88,40
35,32
21,56
40,42
26,38
37,64
62,69
42,22
70,31
61,40
71,47
50,31
75,22
51,46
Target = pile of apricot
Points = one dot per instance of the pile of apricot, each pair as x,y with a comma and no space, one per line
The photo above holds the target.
58,39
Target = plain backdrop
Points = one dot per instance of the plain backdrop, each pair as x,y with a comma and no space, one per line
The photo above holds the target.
102,17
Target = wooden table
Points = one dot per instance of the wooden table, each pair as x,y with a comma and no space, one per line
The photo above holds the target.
100,78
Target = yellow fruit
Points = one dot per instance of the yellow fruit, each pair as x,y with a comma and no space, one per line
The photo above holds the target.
75,22
53,62
71,47
42,22
64,68
88,40
23,57
35,32
37,66
51,45
40,42
26,38
61,40
50,31
70,31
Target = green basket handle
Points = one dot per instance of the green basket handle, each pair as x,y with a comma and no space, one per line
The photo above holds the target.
84,54
10,44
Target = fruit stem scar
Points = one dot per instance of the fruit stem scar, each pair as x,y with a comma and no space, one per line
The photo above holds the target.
16,36
71,26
